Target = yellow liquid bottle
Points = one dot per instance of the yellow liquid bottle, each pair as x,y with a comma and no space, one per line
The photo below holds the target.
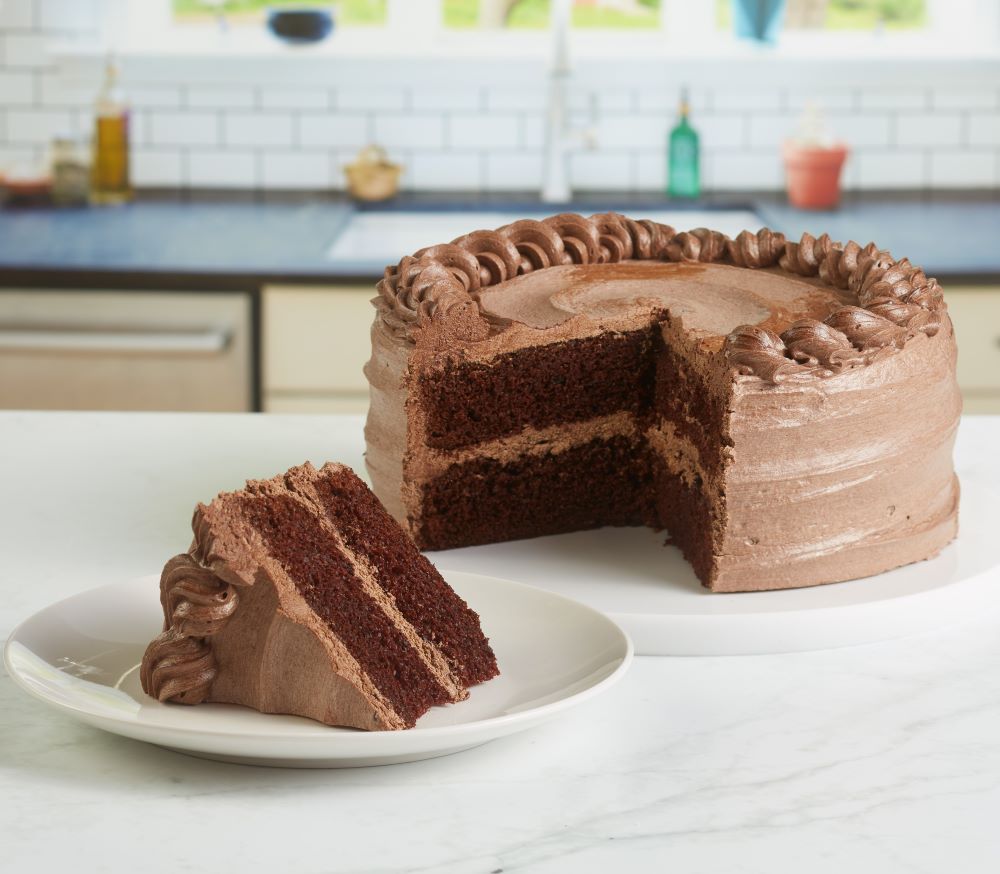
110,179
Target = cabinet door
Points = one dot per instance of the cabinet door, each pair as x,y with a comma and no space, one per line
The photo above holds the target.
975,312
316,341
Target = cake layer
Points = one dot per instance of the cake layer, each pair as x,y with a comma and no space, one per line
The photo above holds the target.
467,402
589,485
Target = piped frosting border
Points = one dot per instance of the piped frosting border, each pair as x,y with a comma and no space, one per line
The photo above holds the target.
896,301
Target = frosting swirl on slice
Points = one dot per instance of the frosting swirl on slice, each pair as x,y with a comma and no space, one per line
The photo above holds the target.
179,665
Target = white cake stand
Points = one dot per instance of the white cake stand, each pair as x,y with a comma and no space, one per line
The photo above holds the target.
652,593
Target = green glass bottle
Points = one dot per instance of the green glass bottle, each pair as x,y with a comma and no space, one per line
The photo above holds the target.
683,173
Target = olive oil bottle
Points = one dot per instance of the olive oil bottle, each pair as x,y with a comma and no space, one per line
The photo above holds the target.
683,156
110,179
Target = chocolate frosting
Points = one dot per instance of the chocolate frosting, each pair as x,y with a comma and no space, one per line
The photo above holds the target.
893,301
180,664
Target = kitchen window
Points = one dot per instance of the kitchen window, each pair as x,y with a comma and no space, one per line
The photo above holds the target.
813,29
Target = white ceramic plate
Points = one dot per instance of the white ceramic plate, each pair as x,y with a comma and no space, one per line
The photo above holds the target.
650,590
82,656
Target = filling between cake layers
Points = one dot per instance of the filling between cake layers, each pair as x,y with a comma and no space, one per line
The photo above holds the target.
327,581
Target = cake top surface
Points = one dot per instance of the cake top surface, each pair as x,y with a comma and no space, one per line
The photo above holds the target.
812,309
710,299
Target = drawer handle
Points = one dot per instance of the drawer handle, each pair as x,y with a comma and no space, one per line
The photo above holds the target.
208,341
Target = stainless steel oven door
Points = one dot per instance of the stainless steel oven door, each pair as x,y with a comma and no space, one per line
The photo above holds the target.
125,350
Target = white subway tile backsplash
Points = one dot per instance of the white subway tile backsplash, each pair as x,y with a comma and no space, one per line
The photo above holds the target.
984,129
769,131
155,96
741,100
483,131
894,98
521,99
195,128
210,97
720,132
410,131
601,171
66,15
456,98
16,157
474,130
651,171
301,170
57,89
928,129
532,132
890,169
17,14
964,98
222,169
333,130
632,132
514,171
747,172
370,99
295,98
454,171
861,130
616,100
966,169
24,50
39,126
342,157
157,167
257,129
666,99
17,88
825,99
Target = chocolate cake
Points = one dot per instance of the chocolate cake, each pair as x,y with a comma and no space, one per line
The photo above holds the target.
786,410
301,595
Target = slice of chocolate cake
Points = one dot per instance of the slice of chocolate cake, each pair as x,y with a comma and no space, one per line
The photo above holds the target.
302,595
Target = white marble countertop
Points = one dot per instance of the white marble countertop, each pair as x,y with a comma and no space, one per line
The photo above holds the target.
883,758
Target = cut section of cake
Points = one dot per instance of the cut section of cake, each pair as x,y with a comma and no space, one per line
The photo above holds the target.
302,595
786,410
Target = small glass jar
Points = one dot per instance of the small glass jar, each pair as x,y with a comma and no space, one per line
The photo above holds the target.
70,172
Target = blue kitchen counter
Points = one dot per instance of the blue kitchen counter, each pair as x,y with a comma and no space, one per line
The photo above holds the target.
232,243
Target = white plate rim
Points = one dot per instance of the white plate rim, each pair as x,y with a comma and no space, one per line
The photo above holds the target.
529,717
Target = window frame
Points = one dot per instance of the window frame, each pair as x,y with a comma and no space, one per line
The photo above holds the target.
687,30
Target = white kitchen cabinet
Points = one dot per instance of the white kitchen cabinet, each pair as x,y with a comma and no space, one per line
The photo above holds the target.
975,312
316,341
125,350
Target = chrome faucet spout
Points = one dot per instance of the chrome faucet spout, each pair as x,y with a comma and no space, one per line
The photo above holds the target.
560,138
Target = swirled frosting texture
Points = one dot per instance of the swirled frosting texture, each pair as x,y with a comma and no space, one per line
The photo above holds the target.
180,664
425,287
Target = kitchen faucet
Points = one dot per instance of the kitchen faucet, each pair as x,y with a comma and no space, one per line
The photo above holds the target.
560,138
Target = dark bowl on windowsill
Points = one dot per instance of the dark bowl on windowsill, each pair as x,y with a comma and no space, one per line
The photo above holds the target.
300,25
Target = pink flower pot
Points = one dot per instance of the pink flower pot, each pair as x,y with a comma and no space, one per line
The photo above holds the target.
813,174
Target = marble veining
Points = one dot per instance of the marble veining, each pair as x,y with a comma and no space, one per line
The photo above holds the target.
883,758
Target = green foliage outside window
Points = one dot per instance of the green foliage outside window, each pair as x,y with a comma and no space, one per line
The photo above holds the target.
534,14
349,13
854,14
